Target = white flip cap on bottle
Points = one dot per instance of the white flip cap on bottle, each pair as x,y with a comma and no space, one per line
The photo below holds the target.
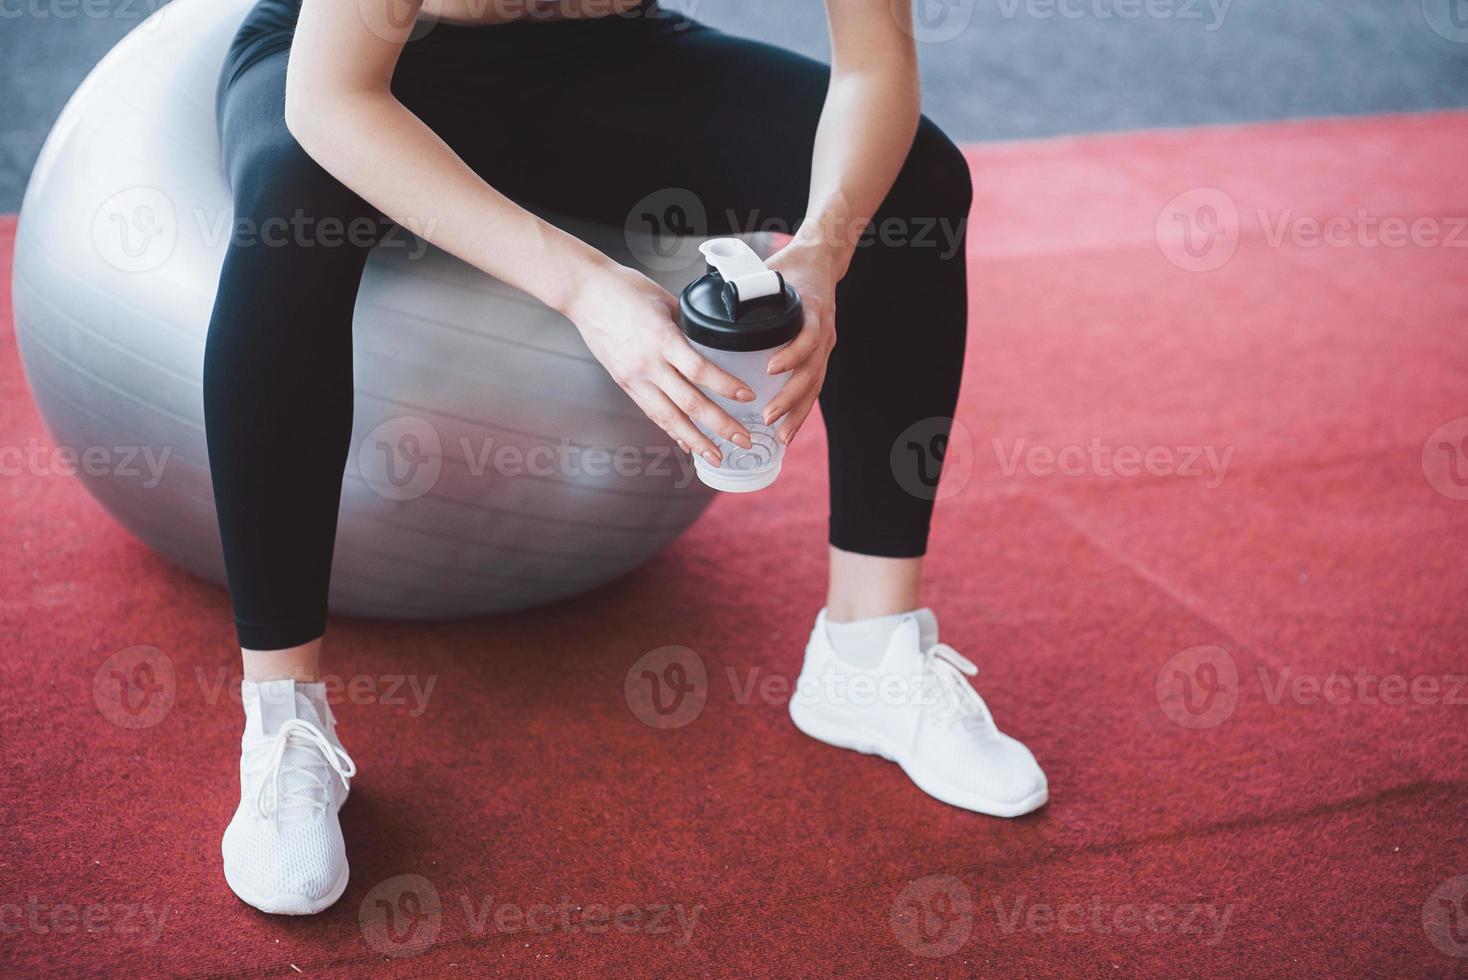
741,267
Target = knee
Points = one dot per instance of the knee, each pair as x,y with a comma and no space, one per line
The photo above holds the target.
935,181
284,198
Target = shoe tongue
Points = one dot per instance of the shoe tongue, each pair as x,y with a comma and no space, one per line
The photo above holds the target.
270,704
927,622
917,632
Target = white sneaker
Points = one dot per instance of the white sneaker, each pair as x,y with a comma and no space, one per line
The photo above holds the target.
916,708
283,851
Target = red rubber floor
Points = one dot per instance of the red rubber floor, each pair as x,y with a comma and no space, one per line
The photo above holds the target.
1215,399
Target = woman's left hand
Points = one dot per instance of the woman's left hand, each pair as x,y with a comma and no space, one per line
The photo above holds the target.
811,269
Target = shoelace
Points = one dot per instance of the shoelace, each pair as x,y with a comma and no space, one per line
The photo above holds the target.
953,669
294,732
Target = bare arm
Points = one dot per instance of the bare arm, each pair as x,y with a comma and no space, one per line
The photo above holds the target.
867,125
866,128
340,108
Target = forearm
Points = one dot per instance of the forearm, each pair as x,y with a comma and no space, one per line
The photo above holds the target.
864,135
378,148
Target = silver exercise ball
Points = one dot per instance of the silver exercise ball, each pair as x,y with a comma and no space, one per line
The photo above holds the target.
494,464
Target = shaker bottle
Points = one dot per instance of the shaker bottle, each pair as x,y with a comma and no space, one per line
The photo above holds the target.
738,315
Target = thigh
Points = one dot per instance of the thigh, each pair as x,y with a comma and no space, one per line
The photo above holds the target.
665,112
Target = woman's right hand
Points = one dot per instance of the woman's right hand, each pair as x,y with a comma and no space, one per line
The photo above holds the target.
630,324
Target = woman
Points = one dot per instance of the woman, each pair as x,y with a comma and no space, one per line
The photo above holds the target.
440,116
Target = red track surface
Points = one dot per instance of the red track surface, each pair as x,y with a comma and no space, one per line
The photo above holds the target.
1297,836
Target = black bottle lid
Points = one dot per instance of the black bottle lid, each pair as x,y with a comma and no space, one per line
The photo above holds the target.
739,305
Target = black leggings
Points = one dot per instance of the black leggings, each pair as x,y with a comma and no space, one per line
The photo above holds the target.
584,118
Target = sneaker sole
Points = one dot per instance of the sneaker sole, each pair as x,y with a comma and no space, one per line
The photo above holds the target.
291,904
867,743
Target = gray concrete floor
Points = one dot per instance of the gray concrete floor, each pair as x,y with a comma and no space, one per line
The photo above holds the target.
1013,69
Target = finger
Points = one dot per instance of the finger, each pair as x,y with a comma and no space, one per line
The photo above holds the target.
802,386
705,373
697,406
801,348
666,416
795,420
